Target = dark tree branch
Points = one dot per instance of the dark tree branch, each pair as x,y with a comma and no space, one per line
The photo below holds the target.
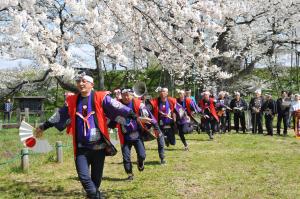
19,86
66,86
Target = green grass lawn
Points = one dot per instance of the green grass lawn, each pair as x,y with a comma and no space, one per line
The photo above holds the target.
231,166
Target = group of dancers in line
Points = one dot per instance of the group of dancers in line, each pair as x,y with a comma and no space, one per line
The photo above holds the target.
89,114
211,114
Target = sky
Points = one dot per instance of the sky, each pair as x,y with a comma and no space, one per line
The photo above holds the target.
83,56
7,64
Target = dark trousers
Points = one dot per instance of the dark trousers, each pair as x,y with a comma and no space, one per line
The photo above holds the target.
6,116
223,125
169,135
126,152
182,129
269,124
256,119
161,146
285,119
228,121
210,126
86,159
239,118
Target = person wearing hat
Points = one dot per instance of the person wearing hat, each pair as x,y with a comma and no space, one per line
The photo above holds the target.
269,109
210,118
255,106
188,93
238,106
222,105
184,124
117,94
130,133
163,109
85,116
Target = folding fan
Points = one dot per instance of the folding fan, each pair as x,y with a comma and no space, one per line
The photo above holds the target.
26,135
28,139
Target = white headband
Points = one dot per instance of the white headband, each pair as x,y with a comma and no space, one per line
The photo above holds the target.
206,93
181,91
126,90
88,78
258,91
164,89
84,76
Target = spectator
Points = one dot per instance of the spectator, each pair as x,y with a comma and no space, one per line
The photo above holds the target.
8,106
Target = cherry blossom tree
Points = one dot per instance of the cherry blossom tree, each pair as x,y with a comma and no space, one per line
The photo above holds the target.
179,33
256,32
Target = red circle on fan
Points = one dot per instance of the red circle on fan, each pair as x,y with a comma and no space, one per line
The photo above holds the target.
30,142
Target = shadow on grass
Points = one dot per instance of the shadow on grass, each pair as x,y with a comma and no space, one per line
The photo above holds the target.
152,162
173,149
117,193
75,178
198,139
166,149
16,169
114,179
114,163
35,189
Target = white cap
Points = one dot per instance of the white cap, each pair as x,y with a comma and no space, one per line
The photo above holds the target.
117,91
258,91
206,93
181,91
221,93
164,89
237,93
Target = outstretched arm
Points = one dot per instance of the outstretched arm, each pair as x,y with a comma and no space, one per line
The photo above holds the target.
116,111
59,120
195,107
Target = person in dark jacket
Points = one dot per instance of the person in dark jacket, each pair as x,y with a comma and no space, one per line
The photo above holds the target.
283,106
8,107
238,106
222,107
269,109
255,106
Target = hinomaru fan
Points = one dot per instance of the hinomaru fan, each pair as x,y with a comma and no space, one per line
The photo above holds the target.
26,135
28,139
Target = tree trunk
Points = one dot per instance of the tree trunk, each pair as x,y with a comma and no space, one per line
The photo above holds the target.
100,73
